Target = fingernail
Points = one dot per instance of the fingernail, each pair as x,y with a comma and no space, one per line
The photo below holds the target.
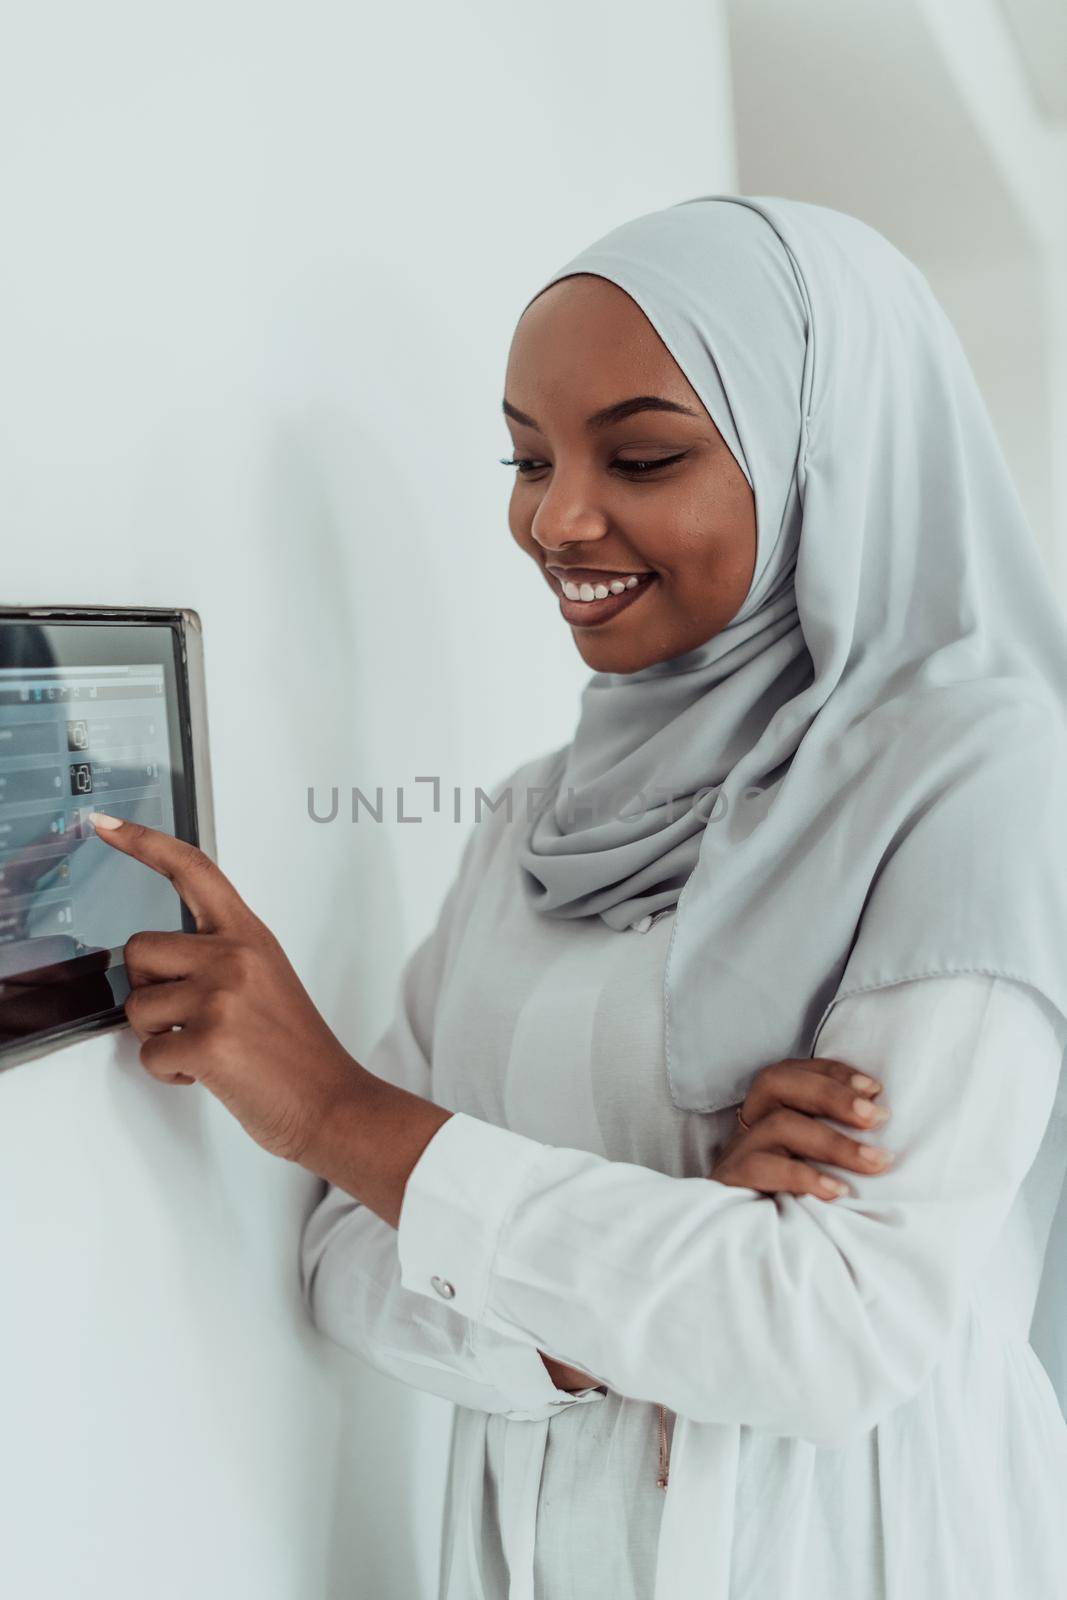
860,1080
100,819
831,1185
874,1156
863,1108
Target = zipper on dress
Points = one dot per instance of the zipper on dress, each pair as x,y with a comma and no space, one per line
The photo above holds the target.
664,1452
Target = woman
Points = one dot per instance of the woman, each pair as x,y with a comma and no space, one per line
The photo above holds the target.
820,770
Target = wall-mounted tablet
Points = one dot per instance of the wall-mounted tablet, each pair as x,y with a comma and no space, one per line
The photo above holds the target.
100,709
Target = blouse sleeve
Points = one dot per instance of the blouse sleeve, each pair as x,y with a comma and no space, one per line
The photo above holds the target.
350,1270
786,1313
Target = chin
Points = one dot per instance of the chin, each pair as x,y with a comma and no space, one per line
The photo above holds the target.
602,654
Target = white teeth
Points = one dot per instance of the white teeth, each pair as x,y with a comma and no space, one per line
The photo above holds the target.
599,591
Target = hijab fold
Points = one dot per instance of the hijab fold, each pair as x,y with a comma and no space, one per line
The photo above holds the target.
882,723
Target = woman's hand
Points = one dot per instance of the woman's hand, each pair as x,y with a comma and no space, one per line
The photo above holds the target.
784,1109
249,1031
565,1377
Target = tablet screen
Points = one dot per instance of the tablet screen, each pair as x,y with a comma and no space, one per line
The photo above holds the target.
94,715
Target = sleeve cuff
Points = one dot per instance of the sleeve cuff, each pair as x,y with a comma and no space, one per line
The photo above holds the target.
456,1201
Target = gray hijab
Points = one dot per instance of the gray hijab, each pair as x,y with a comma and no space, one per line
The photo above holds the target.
864,776
862,779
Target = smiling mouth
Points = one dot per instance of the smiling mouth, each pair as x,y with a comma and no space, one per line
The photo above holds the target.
597,596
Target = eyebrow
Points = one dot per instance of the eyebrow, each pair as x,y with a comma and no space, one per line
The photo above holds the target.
610,414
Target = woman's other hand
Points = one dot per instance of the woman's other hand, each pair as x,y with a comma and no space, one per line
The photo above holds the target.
785,1109
565,1377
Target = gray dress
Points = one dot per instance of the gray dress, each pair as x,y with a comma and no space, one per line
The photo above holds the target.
552,1031
582,1039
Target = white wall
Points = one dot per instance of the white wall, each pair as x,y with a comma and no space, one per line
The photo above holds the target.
261,265
924,119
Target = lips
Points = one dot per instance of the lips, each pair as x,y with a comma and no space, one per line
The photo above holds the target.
592,613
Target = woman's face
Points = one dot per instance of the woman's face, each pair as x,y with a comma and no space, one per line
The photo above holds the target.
683,521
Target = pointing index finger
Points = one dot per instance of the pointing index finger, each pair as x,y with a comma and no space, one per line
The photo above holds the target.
209,894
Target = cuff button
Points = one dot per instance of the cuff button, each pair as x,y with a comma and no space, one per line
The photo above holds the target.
443,1288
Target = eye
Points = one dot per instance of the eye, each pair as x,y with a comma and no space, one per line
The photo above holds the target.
525,465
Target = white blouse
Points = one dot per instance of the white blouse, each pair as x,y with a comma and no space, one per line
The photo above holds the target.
855,1407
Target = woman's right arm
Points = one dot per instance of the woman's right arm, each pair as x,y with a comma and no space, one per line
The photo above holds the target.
350,1269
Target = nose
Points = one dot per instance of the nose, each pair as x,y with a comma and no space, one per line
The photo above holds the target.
556,530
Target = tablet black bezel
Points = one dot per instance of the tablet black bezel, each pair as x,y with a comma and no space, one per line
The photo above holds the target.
190,781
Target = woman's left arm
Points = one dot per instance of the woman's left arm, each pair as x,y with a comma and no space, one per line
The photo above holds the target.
780,1312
